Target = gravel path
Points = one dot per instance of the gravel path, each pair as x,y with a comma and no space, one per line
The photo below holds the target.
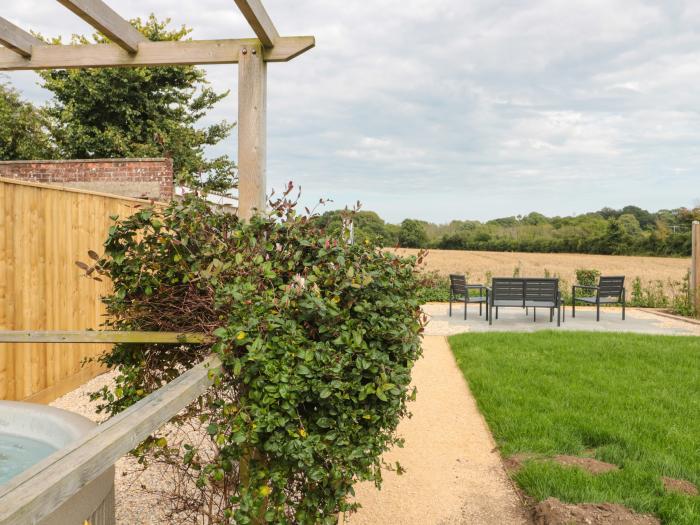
454,474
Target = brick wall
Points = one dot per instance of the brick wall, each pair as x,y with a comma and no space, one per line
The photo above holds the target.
149,178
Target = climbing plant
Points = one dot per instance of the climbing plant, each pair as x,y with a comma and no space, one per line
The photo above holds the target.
317,338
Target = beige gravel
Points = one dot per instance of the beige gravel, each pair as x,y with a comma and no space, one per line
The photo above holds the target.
454,473
134,505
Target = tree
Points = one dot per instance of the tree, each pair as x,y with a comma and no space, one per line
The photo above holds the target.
139,112
412,234
23,133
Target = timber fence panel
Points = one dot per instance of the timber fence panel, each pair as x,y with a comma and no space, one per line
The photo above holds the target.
43,231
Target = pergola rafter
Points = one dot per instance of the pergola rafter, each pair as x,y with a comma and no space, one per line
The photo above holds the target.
17,40
23,51
259,20
103,18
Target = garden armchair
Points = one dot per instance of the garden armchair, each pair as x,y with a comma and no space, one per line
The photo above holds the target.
459,292
610,290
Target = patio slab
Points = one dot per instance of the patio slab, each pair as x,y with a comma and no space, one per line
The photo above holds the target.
514,320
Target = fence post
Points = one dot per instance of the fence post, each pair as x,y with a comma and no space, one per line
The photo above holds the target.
695,267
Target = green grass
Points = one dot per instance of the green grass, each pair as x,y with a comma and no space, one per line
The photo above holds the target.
635,399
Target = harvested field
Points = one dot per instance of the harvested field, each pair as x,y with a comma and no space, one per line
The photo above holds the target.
563,265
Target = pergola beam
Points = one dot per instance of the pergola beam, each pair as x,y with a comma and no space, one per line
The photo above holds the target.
17,40
103,18
188,52
254,12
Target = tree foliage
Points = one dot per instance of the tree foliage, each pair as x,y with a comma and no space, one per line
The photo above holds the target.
628,231
317,337
23,131
139,112
412,234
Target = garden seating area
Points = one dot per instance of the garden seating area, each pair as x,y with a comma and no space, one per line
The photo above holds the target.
534,292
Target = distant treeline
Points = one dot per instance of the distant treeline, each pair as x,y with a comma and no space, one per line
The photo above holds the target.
629,231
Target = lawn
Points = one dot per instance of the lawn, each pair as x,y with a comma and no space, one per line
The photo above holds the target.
633,399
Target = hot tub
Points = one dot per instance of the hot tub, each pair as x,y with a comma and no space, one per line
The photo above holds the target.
30,433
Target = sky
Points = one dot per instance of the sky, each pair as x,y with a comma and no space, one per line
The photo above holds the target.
454,109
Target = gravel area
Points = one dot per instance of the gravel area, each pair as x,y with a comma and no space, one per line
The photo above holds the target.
134,505
454,473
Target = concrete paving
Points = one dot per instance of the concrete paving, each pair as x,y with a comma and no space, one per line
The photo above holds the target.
515,320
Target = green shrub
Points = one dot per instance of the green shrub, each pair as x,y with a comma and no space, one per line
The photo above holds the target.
434,287
682,302
651,295
317,338
587,277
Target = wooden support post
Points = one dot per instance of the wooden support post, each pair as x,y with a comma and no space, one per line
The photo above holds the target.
695,267
252,132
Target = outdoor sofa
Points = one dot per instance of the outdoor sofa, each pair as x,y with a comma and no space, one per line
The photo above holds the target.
524,292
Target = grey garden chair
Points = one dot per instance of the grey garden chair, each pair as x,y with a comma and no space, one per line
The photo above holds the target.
610,290
459,292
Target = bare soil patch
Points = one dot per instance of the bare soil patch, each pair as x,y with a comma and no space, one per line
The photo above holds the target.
591,465
515,462
553,512
680,485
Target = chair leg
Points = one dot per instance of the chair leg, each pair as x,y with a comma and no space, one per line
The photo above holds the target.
559,315
497,312
551,315
480,305
624,304
534,315
465,308
573,302
490,314
450,306
597,310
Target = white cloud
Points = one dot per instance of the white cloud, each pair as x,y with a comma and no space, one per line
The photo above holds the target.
446,109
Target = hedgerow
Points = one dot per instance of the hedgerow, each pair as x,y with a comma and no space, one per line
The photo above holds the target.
317,338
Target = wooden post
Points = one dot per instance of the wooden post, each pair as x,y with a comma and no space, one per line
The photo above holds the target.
695,267
252,132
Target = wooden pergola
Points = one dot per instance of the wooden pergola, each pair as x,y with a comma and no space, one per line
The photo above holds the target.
130,48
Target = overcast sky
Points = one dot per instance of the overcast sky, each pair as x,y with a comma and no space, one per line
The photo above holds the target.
455,109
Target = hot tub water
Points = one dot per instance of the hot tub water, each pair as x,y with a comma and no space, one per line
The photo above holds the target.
18,453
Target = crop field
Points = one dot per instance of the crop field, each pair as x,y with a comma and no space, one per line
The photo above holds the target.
479,265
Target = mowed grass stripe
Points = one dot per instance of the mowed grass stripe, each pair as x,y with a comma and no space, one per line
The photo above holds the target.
634,399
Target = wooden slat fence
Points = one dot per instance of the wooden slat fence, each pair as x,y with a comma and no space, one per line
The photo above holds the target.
43,231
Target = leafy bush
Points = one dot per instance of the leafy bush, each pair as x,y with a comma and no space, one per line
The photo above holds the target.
587,277
651,295
434,287
317,338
